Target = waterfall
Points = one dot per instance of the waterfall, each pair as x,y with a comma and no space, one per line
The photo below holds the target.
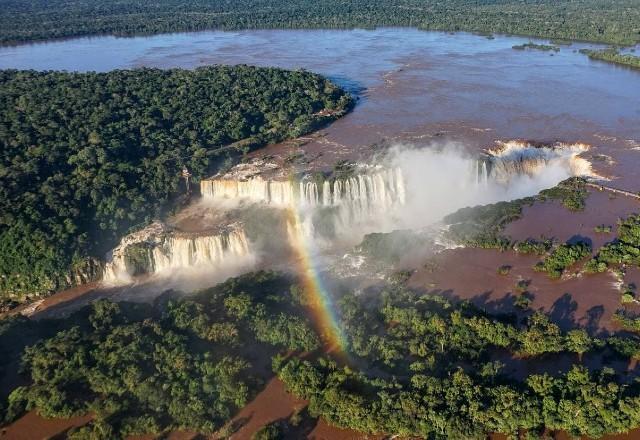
184,252
517,158
484,178
158,251
380,188
325,205
255,189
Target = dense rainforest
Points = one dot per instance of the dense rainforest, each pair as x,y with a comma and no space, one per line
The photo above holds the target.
416,365
86,156
609,21
144,369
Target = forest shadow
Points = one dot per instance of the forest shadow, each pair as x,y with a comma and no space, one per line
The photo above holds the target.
562,312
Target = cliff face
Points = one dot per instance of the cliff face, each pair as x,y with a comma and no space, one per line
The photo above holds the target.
88,271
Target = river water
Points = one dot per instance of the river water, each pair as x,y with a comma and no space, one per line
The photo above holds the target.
408,77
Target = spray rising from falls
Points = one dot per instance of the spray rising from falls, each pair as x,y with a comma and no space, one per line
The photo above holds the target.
332,212
439,181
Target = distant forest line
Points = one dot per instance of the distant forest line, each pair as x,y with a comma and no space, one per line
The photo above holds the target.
607,21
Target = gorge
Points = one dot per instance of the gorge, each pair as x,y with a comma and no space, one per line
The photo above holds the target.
338,209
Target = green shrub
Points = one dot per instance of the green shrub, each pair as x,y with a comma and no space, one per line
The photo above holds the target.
522,301
571,192
504,270
531,246
272,431
563,257
602,229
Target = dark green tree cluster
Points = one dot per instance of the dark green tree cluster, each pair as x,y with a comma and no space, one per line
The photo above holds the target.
465,404
624,250
406,331
430,373
572,193
613,56
627,321
86,156
481,226
531,45
184,364
533,246
612,21
563,257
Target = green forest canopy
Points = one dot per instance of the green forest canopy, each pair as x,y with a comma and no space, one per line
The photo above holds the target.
610,21
185,364
432,367
86,156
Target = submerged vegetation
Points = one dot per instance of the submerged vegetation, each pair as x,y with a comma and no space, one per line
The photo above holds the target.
613,56
531,45
563,257
532,246
86,156
624,250
611,21
602,229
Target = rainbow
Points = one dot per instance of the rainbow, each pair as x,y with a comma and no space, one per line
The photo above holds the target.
320,301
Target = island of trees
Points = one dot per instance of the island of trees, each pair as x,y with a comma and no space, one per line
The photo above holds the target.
84,157
542,47
610,21
613,56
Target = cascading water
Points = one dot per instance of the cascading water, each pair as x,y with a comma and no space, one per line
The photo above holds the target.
155,250
415,191
255,189
517,158
184,252
347,201
381,187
